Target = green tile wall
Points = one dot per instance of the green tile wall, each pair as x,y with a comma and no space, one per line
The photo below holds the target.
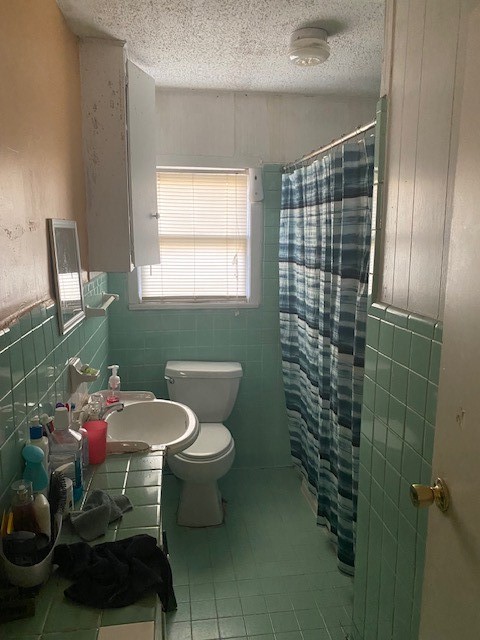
141,342
33,373
398,424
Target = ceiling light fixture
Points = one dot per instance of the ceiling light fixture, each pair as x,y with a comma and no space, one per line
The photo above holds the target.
308,47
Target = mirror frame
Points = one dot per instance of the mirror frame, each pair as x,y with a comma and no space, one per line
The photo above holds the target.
65,325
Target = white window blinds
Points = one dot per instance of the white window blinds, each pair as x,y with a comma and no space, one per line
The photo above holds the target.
203,238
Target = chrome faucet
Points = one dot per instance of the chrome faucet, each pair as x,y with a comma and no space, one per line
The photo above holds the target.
115,406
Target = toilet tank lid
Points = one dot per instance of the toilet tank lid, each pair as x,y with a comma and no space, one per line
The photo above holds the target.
201,369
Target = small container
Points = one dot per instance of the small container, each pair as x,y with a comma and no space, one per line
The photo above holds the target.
41,508
97,440
22,507
95,406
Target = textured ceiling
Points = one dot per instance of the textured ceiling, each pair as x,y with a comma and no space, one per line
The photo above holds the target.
240,45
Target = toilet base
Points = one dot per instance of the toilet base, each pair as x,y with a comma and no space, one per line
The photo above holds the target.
200,505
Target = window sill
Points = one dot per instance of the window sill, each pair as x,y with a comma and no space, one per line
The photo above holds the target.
145,306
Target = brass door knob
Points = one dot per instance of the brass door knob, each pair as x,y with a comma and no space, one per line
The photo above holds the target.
423,496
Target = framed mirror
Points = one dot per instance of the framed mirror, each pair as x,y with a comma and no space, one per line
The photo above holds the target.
67,274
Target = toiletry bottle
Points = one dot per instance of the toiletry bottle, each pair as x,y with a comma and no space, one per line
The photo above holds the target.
47,423
41,508
113,385
40,441
34,468
69,442
22,507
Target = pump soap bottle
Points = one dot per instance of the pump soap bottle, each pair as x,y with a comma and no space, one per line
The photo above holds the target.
113,385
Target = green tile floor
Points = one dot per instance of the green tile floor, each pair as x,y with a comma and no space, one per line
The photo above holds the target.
268,573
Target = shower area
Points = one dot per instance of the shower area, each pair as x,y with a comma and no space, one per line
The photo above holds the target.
324,256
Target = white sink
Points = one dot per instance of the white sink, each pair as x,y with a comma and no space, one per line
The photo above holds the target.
128,397
160,423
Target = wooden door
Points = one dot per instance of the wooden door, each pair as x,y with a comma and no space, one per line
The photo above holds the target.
451,590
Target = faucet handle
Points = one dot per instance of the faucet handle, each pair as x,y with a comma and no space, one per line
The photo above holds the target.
115,406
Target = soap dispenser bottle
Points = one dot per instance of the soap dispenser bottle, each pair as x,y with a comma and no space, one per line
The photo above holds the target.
113,385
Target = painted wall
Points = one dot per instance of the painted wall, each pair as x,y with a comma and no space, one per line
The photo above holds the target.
423,69
42,177
227,129
141,342
40,150
33,375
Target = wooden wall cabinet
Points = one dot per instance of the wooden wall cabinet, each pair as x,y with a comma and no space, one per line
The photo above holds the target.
118,119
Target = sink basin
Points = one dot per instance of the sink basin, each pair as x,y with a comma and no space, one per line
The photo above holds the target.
128,397
160,423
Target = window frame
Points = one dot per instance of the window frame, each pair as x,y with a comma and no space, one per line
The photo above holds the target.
254,259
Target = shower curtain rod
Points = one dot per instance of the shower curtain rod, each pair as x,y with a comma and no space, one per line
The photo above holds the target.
332,144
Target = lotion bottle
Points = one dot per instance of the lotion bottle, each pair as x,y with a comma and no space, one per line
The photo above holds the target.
41,509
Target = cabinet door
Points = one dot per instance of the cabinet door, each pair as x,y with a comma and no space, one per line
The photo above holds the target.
102,66
142,156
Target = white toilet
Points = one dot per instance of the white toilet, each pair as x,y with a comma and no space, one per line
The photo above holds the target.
210,390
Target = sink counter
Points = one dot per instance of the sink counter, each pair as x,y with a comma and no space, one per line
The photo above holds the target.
139,476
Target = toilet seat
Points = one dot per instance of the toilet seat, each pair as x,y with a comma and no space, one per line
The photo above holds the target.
214,440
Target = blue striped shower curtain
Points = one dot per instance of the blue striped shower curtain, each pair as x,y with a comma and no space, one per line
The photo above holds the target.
325,226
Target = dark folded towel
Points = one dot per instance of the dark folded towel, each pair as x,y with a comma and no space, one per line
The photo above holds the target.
116,574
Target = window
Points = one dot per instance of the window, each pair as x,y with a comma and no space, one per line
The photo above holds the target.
209,238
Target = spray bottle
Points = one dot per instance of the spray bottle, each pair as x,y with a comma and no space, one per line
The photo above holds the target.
113,385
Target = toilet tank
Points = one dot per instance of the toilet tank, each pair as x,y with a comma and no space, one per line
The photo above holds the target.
208,388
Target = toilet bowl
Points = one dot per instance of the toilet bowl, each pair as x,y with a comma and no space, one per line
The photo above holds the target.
200,467
210,390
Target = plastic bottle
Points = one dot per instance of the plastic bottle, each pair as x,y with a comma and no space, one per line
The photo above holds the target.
41,509
22,507
113,385
39,440
67,443
34,468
